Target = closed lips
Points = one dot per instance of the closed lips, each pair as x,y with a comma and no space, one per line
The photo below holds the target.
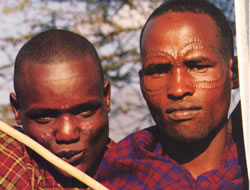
71,156
183,113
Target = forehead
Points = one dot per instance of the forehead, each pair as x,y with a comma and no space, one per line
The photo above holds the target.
69,81
177,29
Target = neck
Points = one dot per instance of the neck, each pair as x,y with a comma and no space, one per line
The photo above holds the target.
192,156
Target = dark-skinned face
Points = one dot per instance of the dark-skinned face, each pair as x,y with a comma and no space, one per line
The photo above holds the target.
65,108
185,78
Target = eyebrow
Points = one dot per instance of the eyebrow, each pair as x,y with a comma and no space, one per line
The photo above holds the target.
196,59
199,59
92,104
152,66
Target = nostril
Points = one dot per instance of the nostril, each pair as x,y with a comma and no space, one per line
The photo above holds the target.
178,96
68,141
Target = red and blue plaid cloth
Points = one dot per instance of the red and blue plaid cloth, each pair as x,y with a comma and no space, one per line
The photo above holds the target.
19,171
137,163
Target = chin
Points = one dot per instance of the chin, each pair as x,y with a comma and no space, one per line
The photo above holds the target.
67,180
65,174
189,137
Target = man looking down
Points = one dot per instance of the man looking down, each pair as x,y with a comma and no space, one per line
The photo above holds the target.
62,101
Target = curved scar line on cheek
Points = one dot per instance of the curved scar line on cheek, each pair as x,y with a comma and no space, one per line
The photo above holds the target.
210,80
153,93
160,90
208,87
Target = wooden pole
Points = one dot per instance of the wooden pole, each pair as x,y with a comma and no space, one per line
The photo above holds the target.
53,159
242,42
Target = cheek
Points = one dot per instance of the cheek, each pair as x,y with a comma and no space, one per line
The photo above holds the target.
45,138
64,107
94,125
87,127
156,106
215,101
100,128
43,135
46,135
156,102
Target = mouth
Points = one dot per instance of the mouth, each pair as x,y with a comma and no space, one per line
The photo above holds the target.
72,157
183,113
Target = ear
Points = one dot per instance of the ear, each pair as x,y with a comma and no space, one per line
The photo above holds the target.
141,81
234,71
107,93
140,74
15,108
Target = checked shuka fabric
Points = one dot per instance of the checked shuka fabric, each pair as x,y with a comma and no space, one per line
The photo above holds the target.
19,171
137,163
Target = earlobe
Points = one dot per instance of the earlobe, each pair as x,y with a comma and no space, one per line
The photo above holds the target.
15,108
234,72
107,94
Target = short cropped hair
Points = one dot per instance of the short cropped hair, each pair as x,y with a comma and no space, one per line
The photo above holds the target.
198,6
53,47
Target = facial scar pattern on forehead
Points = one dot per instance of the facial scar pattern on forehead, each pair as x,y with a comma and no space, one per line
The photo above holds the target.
178,58
191,44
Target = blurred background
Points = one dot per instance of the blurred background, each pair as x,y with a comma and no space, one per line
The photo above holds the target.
113,26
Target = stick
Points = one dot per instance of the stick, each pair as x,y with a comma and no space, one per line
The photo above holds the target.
242,40
53,159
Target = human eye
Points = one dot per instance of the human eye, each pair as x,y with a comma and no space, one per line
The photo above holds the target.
200,66
157,70
42,118
87,113
86,110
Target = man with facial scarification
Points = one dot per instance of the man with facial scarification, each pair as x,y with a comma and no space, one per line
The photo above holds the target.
186,79
62,101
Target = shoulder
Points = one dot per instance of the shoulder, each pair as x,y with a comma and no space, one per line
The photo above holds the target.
9,145
235,158
131,143
13,172
131,161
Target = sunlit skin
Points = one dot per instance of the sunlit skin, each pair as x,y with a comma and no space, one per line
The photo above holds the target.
65,107
186,81
157,77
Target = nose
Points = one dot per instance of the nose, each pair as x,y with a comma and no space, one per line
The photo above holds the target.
179,85
68,130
